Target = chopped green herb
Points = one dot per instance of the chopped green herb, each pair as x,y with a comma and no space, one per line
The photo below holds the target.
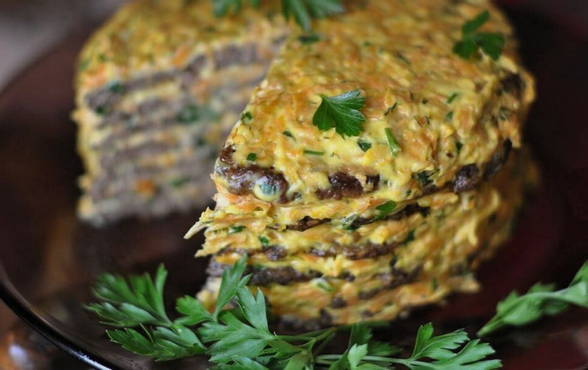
102,58
458,146
252,157
491,43
409,237
324,285
452,97
424,178
434,284
236,229
189,114
449,116
341,112
101,110
310,38
116,87
385,209
246,117
349,223
364,145
391,109
288,133
178,183
84,64
264,241
312,152
540,300
392,142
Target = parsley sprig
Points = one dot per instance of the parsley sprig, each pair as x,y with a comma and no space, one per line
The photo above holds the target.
236,334
454,351
303,11
341,112
540,300
491,43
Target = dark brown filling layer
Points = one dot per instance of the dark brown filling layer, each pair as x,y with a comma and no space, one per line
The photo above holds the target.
393,279
103,100
513,84
356,252
405,212
498,160
241,180
308,222
119,162
263,276
347,186
118,187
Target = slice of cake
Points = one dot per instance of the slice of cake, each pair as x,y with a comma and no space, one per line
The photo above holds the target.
158,89
347,224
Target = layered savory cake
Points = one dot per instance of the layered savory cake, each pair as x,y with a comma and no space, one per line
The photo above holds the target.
158,89
338,227
343,228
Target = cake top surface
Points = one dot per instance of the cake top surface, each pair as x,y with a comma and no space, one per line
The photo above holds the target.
151,35
431,117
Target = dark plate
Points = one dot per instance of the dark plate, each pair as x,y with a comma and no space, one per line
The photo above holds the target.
48,259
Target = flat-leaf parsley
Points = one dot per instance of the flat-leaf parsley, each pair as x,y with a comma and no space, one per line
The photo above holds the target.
341,112
491,43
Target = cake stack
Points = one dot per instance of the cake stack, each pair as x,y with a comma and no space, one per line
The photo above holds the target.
343,225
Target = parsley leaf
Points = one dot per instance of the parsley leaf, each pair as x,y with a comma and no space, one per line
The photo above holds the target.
301,10
540,300
455,351
442,349
491,43
341,112
304,10
162,344
231,281
132,302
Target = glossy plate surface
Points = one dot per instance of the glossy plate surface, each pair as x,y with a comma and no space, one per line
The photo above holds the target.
48,258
